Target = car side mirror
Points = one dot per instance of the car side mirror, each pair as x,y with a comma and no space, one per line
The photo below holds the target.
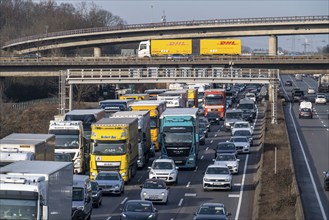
238,160
214,160
176,168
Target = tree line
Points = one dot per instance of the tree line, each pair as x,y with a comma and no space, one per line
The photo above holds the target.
20,18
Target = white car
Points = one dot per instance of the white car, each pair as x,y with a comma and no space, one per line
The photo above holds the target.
155,190
242,143
242,124
310,90
320,99
243,132
217,177
164,169
229,160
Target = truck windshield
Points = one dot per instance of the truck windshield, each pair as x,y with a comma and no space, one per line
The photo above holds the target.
66,140
214,100
77,194
110,148
153,123
171,138
18,205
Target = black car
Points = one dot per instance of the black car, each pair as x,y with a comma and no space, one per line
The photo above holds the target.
97,194
288,83
139,209
211,211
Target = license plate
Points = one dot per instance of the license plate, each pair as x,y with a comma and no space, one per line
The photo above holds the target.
178,161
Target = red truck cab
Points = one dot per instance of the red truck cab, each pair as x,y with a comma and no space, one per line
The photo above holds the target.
214,104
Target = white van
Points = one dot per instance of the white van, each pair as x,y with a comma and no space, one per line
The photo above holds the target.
82,202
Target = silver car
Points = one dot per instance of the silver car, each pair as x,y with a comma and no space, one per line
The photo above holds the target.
164,169
229,160
110,182
242,143
217,177
155,190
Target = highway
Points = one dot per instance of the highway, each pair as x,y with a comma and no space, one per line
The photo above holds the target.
309,140
185,198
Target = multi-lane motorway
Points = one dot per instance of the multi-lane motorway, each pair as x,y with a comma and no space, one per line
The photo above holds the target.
187,195
309,139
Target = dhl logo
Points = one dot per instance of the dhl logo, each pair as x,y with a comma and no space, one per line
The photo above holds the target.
231,42
177,43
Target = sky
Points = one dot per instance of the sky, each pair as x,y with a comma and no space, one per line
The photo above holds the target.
141,11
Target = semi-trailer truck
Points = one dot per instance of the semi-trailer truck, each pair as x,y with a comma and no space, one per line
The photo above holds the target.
323,83
151,48
70,138
174,98
180,136
38,190
144,134
114,105
114,146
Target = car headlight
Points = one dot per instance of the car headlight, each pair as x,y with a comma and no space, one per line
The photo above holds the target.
227,124
205,179
162,194
172,173
123,174
117,186
80,208
247,146
144,193
152,172
150,216
123,215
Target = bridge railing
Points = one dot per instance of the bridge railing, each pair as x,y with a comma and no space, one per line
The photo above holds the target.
171,24
173,73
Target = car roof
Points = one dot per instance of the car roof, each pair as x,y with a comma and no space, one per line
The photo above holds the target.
155,180
212,204
216,165
138,200
233,137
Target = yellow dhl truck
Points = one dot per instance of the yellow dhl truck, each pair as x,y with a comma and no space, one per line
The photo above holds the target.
114,146
156,108
220,46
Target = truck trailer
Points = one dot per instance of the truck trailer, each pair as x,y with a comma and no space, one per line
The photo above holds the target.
38,190
114,146
144,134
220,47
41,145
180,136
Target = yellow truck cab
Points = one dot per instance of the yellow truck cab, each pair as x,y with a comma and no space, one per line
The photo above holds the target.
114,146
142,96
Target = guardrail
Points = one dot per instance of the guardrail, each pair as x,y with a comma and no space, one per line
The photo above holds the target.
171,24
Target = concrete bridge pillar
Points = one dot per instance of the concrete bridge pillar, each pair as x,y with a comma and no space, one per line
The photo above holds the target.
272,45
97,52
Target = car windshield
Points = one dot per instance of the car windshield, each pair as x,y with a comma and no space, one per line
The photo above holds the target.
93,186
225,146
239,139
217,170
225,158
211,210
162,165
154,185
107,176
138,207
242,133
241,125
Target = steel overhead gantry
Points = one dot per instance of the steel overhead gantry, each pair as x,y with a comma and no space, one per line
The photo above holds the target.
167,75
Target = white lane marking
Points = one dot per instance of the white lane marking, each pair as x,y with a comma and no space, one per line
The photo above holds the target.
243,178
211,141
241,189
101,215
180,202
215,135
123,201
207,148
196,168
234,195
190,194
201,157
188,184
109,218
306,162
237,184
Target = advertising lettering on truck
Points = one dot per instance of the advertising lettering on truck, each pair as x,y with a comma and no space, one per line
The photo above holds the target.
220,46
214,104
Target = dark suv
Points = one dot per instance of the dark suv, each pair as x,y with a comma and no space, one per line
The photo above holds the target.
97,194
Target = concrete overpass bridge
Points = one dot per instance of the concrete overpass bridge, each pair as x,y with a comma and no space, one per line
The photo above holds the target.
220,28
